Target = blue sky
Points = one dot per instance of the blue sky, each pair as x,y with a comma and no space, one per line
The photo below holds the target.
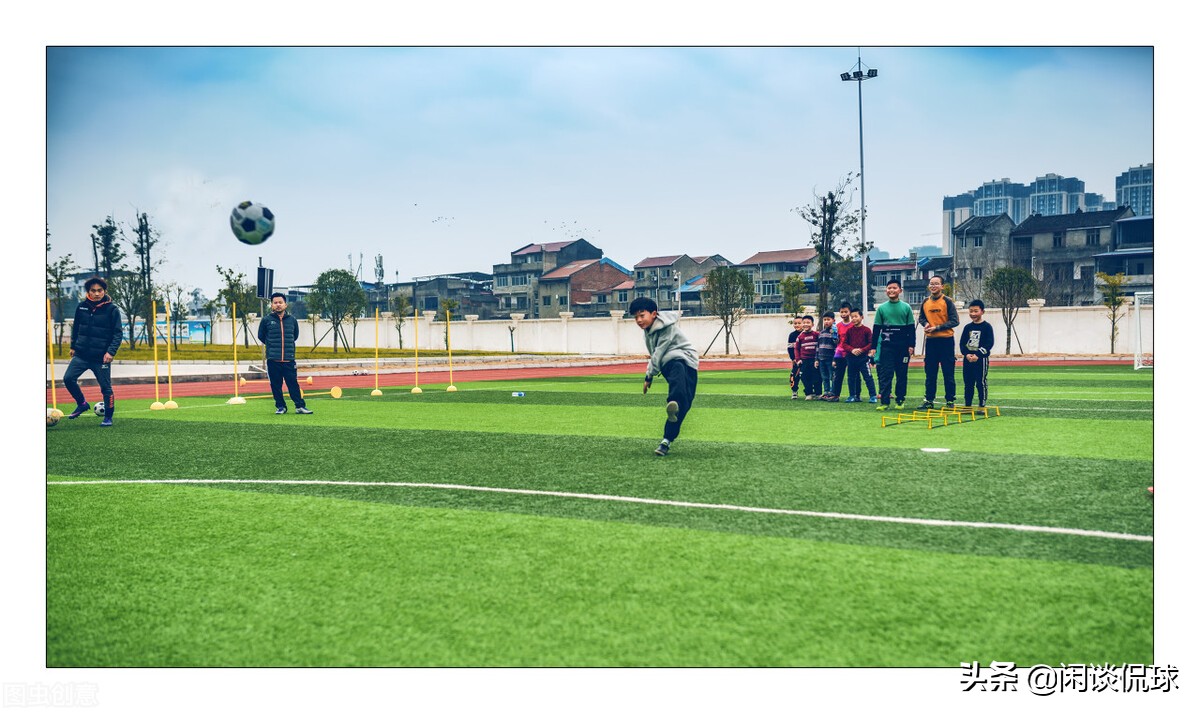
446,159
646,152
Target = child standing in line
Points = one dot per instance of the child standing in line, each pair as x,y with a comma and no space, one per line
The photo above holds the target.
827,340
793,351
856,343
671,355
839,357
806,349
976,344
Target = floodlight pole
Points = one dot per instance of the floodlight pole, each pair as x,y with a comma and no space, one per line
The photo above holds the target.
859,76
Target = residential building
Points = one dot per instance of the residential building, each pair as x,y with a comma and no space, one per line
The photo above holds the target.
1132,254
1135,188
906,270
1049,195
980,245
769,268
1060,252
581,287
471,290
515,283
616,297
662,277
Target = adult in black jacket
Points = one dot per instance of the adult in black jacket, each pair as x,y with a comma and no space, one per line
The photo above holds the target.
278,332
95,339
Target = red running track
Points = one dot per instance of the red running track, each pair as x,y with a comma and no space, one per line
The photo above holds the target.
406,379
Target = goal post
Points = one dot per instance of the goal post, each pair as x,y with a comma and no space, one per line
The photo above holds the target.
1143,336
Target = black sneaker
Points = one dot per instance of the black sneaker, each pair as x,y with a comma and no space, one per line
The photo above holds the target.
949,403
662,448
281,410
303,410
672,412
926,405
80,409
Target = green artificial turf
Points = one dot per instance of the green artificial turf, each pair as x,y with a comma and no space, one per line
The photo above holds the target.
197,575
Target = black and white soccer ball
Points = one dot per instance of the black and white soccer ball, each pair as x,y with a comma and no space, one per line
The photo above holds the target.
252,223
99,409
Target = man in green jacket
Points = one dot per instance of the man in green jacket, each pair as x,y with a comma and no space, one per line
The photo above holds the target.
894,337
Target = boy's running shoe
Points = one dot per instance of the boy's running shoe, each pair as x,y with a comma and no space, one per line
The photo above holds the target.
662,449
874,400
672,412
882,408
303,410
899,403
79,410
926,404
107,421
281,410
949,403
809,398
794,396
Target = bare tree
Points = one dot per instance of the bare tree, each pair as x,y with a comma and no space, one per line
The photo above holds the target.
338,296
400,309
107,255
832,225
57,273
1009,290
727,293
239,291
1112,296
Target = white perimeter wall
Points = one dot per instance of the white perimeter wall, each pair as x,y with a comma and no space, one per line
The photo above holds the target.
1039,330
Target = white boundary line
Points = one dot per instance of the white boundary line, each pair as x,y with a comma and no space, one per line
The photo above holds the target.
626,499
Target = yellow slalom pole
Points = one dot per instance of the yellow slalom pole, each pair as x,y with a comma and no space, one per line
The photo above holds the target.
50,351
170,387
235,399
416,352
153,325
450,355
375,392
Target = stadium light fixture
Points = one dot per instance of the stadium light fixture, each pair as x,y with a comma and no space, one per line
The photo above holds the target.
857,75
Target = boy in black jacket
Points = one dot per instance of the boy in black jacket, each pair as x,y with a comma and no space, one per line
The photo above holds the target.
278,332
976,344
95,339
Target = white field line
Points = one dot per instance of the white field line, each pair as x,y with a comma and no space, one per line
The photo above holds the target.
625,499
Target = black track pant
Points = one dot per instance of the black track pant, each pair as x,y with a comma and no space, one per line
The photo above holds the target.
280,372
892,363
681,389
103,374
975,377
939,352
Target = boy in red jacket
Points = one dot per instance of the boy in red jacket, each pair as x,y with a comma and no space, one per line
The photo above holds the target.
856,343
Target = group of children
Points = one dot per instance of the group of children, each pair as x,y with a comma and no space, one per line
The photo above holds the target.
821,359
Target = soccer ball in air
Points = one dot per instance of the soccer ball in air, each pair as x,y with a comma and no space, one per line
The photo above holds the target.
52,417
99,409
252,223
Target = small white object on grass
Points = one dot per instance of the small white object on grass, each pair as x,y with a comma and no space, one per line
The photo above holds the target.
934,450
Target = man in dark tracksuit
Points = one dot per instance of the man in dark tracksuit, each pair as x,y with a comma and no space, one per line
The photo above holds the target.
894,337
278,332
95,339
938,317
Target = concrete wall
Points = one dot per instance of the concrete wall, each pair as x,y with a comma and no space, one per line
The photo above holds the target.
1038,330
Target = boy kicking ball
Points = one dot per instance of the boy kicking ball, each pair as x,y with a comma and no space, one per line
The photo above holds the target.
671,355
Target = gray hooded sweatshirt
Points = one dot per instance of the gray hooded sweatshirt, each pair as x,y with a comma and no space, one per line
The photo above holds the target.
665,342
